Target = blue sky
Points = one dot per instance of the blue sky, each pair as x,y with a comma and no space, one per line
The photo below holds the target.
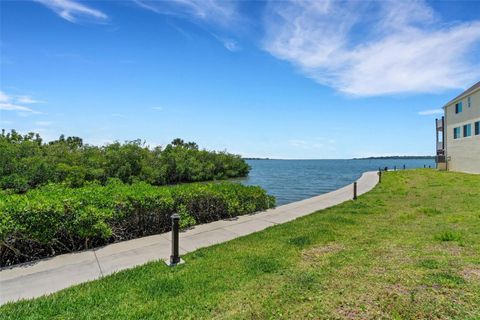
285,79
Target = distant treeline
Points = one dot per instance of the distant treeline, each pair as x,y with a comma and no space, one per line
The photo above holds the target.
27,162
397,157
257,159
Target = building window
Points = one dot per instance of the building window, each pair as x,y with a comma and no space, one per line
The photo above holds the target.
469,99
458,107
467,130
456,133
477,128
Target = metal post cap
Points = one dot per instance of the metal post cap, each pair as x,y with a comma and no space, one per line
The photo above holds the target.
175,216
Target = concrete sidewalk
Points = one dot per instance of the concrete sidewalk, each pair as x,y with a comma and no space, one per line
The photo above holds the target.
49,275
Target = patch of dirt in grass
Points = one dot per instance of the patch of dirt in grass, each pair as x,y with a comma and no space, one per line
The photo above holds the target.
397,253
315,253
388,260
449,248
397,289
364,306
350,312
471,273
396,301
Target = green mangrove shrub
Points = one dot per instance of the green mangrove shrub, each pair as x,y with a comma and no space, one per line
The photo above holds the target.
55,219
27,162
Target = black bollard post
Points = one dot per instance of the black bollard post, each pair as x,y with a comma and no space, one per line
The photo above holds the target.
175,257
424,166
355,190
379,176
395,168
403,167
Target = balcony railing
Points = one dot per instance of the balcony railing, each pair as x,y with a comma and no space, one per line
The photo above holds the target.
439,146
439,124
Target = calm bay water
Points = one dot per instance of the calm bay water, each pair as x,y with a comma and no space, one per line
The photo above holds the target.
293,180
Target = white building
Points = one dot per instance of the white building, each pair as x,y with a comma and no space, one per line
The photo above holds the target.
458,133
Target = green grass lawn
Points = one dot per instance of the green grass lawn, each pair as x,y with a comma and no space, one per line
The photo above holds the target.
409,249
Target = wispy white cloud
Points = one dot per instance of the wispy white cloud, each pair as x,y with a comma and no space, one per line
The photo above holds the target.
157,108
74,11
430,112
14,103
228,43
14,107
4,97
231,45
211,11
27,100
217,14
373,48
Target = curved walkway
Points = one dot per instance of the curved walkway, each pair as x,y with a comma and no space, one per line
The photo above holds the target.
53,274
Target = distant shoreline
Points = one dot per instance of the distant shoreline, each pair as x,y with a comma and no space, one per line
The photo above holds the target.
396,157
368,158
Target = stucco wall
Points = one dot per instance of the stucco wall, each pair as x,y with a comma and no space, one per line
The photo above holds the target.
463,154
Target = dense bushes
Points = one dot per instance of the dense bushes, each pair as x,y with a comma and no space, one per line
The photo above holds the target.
65,196
26,162
56,219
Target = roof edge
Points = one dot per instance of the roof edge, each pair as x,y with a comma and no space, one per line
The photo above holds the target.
469,91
